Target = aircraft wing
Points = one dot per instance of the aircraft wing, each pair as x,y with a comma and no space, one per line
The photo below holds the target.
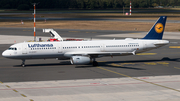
98,53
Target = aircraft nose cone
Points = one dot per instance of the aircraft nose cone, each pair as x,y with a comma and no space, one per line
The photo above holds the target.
5,54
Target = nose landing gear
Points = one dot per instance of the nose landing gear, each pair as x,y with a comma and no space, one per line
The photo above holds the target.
23,63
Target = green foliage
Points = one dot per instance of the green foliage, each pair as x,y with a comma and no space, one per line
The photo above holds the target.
117,4
143,4
80,4
155,4
7,6
85,4
23,7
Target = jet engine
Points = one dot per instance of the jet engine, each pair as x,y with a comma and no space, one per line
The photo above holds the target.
80,60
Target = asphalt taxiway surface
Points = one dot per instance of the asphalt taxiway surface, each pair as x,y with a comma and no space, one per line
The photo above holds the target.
162,61
150,76
62,32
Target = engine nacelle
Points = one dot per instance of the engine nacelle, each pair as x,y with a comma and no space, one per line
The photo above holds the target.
80,60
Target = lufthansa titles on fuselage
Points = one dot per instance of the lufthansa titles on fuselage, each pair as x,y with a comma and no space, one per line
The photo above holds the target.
39,45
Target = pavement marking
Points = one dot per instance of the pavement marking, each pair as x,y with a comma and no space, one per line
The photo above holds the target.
128,63
150,63
146,63
23,95
15,90
176,67
96,84
138,79
146,53
116,65
163,63
8,86
174,46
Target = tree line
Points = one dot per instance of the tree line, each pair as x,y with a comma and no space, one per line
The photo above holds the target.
84,4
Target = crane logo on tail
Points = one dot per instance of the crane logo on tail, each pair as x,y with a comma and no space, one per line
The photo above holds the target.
159,27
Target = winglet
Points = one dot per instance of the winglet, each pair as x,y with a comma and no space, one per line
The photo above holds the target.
157,30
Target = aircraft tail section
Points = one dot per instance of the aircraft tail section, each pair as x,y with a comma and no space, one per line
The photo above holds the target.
157,30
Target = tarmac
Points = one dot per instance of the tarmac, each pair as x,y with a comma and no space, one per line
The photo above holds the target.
158,88
151,76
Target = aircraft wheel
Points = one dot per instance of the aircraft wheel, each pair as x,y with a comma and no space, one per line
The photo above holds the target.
23,65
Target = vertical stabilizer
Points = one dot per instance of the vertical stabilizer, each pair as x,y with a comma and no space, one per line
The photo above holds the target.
157,30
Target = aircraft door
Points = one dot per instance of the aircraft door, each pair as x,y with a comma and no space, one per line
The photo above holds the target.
24,48
102,47
60,49
144,45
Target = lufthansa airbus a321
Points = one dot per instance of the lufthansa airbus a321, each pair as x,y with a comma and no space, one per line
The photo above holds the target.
85,52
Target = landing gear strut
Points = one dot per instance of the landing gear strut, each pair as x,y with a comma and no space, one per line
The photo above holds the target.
23,63
95,63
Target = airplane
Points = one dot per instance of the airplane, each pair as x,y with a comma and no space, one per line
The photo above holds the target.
86,52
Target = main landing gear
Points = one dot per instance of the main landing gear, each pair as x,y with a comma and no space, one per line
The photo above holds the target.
95,63
23,63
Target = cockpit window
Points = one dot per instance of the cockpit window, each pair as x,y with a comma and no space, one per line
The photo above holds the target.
12,48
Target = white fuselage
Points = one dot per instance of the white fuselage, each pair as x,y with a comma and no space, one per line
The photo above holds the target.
66,49
84,52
